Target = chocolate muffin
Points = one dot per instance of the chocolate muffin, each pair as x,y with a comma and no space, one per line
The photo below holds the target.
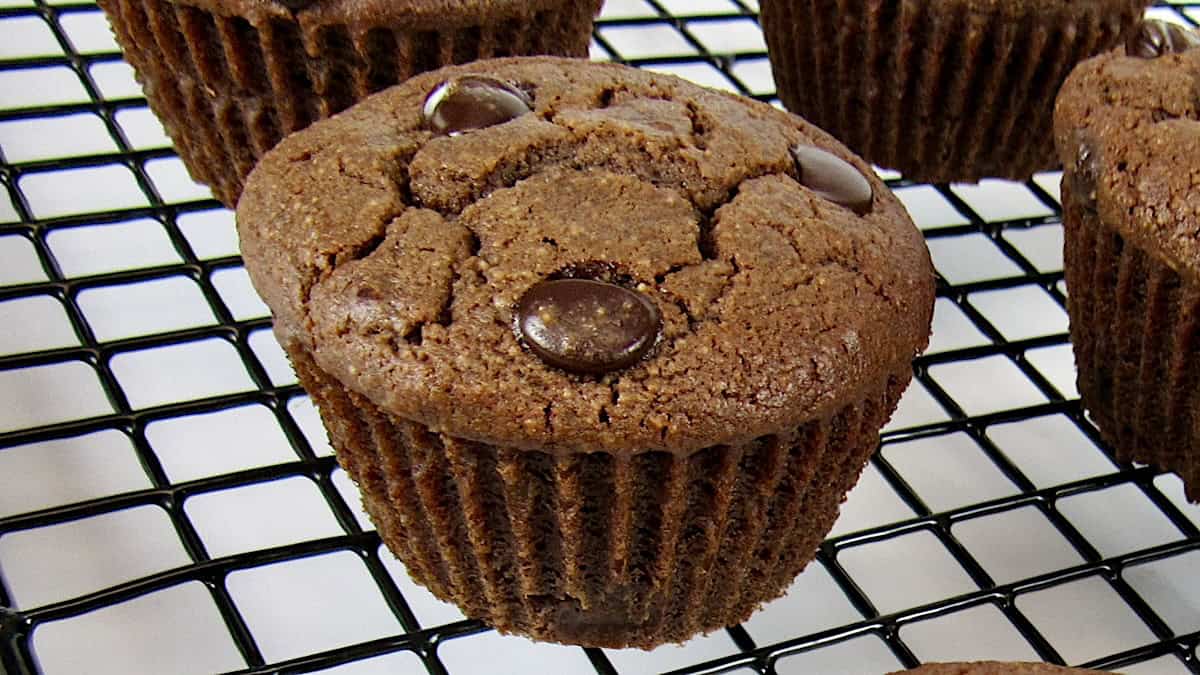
1127,127
993,668
954,90
229,78
603,349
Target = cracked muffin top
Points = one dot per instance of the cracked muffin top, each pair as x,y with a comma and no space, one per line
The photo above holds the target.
1127,127
559,255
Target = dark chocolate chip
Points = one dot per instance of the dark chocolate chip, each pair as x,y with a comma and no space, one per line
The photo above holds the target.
833,178
1085,175
586,326
296,5
1156,38
472,102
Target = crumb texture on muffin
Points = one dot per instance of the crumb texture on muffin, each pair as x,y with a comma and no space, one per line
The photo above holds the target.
606,352
1128,132
397,257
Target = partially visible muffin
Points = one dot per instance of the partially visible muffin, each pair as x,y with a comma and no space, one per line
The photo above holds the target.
603,349
229,78
993,668
1127,127
953,90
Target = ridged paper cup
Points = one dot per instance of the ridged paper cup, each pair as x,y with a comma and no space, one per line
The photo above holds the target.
444,277
1126,130
230,78
595,549
954,90
1134,326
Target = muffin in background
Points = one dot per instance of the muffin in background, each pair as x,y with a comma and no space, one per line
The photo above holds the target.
604,350
230,78
1127,127
954,90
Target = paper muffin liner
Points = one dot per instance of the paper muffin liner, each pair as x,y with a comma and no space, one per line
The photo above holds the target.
227,88
595,549
941,91
1135,327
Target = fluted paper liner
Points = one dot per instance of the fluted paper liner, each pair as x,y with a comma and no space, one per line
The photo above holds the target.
1135,326
228,88
941,91
592,548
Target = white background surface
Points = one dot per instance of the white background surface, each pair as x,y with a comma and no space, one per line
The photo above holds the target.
304,605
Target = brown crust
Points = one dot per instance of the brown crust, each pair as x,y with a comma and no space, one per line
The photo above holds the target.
1132,254
1141,118
595,549
942,91
779,307
229,78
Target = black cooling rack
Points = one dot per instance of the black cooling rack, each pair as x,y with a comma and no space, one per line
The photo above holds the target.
960,542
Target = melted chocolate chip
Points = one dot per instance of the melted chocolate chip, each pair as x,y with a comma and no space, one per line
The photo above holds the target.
586,326
833,178
1157,38
472,102
1085,175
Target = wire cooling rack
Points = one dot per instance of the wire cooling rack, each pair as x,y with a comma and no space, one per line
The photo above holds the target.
169,504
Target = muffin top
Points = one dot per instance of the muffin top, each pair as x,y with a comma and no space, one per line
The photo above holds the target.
992,668
1127,127
608,259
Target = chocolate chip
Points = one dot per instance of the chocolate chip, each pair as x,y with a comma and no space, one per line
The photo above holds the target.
472,102
1156,38
1085,175
586,326
296,5
833,178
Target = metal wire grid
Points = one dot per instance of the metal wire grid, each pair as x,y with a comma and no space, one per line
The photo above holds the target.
16,626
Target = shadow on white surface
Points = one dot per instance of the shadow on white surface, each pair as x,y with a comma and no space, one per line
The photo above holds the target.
69,470
311,605
493,654
51,564
980,633
210,444
1084,619
907,571
198,370
32,397
1015,545
178,630
948,471
852,657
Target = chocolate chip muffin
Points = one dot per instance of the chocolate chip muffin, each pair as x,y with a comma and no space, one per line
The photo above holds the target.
229,78
993,668
604,350
954,90
1127,127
